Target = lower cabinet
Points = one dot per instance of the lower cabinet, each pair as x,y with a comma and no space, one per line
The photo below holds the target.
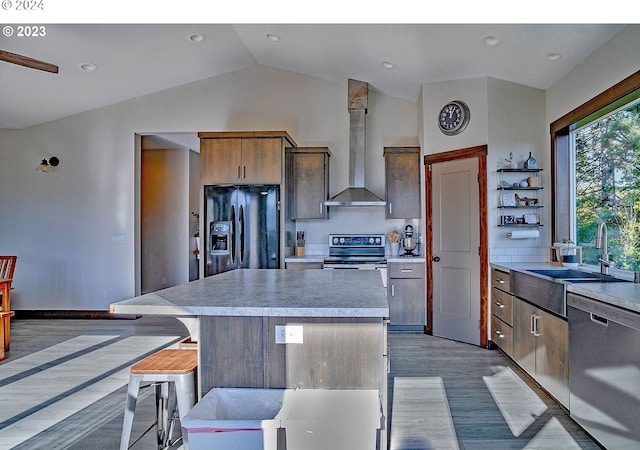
502,335
541,347
406,294
501,312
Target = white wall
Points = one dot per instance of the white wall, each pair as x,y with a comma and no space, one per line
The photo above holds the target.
516,124
505,116
613,62
61,224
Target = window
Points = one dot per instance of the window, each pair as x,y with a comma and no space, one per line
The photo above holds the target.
606,163
596,174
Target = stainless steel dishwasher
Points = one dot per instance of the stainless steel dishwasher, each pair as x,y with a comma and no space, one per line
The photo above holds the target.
604,376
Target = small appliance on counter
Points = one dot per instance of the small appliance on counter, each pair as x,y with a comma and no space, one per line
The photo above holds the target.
409,242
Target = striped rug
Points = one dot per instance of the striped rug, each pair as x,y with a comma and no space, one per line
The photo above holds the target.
42,389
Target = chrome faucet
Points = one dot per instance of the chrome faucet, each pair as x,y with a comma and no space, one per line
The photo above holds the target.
601,242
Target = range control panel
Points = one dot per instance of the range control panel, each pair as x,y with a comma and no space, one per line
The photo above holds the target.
356,240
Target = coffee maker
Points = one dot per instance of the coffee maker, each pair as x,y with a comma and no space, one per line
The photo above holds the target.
409,242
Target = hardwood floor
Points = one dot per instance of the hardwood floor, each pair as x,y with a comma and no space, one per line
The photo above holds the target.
525,417
66,382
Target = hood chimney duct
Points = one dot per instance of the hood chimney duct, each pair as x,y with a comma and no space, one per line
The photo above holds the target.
357,194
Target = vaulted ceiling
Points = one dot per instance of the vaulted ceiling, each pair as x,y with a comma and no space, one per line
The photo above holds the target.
131,60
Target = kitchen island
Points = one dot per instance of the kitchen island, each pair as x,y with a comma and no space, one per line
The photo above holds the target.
276,328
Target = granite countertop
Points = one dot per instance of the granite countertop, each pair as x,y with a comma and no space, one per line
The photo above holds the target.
268,292
623,295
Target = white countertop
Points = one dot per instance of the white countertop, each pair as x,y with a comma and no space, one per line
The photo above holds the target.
623,295
268,292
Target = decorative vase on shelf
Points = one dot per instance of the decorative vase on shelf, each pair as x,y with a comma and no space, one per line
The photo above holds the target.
531,163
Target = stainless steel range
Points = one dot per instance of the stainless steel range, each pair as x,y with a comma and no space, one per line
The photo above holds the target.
356,251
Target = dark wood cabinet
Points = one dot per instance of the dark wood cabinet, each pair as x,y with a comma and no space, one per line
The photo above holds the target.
501,311
402,186
541,347
308,172
243,157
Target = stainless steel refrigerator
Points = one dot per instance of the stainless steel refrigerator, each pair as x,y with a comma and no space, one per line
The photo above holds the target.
242,228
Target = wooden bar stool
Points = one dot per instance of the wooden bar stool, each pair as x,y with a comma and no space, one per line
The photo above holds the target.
162,368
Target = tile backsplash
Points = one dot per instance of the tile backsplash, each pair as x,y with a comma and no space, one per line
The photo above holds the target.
519,254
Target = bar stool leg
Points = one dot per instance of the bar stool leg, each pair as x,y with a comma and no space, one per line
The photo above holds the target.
132,398
185,393
162,411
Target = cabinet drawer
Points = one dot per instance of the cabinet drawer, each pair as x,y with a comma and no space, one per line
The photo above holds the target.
502,335
409,270
500,280
502,305
303,265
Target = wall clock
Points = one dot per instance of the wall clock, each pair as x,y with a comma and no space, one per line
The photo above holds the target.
453,117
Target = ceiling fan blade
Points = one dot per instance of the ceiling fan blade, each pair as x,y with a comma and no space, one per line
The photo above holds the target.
25,61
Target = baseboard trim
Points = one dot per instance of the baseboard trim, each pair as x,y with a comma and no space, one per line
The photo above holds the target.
71,314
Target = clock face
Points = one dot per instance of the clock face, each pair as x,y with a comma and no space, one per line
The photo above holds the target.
453,117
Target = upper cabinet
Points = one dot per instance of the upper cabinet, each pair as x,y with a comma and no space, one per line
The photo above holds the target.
308,184
243,157
402,168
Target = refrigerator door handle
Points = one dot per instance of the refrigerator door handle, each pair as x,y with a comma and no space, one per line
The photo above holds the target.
241,224
232,244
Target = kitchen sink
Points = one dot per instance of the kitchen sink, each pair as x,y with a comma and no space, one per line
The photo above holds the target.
602,279
565,274
577,276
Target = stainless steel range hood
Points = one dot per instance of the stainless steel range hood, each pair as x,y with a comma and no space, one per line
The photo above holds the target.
356,194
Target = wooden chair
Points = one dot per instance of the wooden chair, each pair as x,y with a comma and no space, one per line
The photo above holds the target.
4,315
7,266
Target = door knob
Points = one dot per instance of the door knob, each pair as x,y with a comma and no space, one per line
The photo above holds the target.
435,259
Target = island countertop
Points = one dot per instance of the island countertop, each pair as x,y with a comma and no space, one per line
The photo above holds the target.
268,292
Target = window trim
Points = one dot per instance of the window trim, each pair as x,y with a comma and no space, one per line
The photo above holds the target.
561,150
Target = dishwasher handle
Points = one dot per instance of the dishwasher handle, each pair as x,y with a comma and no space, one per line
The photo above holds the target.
599,319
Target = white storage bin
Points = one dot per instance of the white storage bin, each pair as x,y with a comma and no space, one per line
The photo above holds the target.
321,419
235,419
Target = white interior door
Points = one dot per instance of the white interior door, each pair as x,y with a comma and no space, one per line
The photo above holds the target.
455,250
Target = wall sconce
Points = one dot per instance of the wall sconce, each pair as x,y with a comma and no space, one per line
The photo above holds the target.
47,165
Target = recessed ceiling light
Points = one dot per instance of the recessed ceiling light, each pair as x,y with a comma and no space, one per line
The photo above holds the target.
196,37
492,40
554,56
387,65
89,67
273,37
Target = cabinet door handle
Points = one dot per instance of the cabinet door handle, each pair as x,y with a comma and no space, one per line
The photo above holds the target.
406,270
321,208
499,304
535,324
244,172
500,280
238,172
531,324
499,333
390,208
393,290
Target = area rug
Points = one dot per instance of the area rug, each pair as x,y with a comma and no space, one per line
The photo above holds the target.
420,418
